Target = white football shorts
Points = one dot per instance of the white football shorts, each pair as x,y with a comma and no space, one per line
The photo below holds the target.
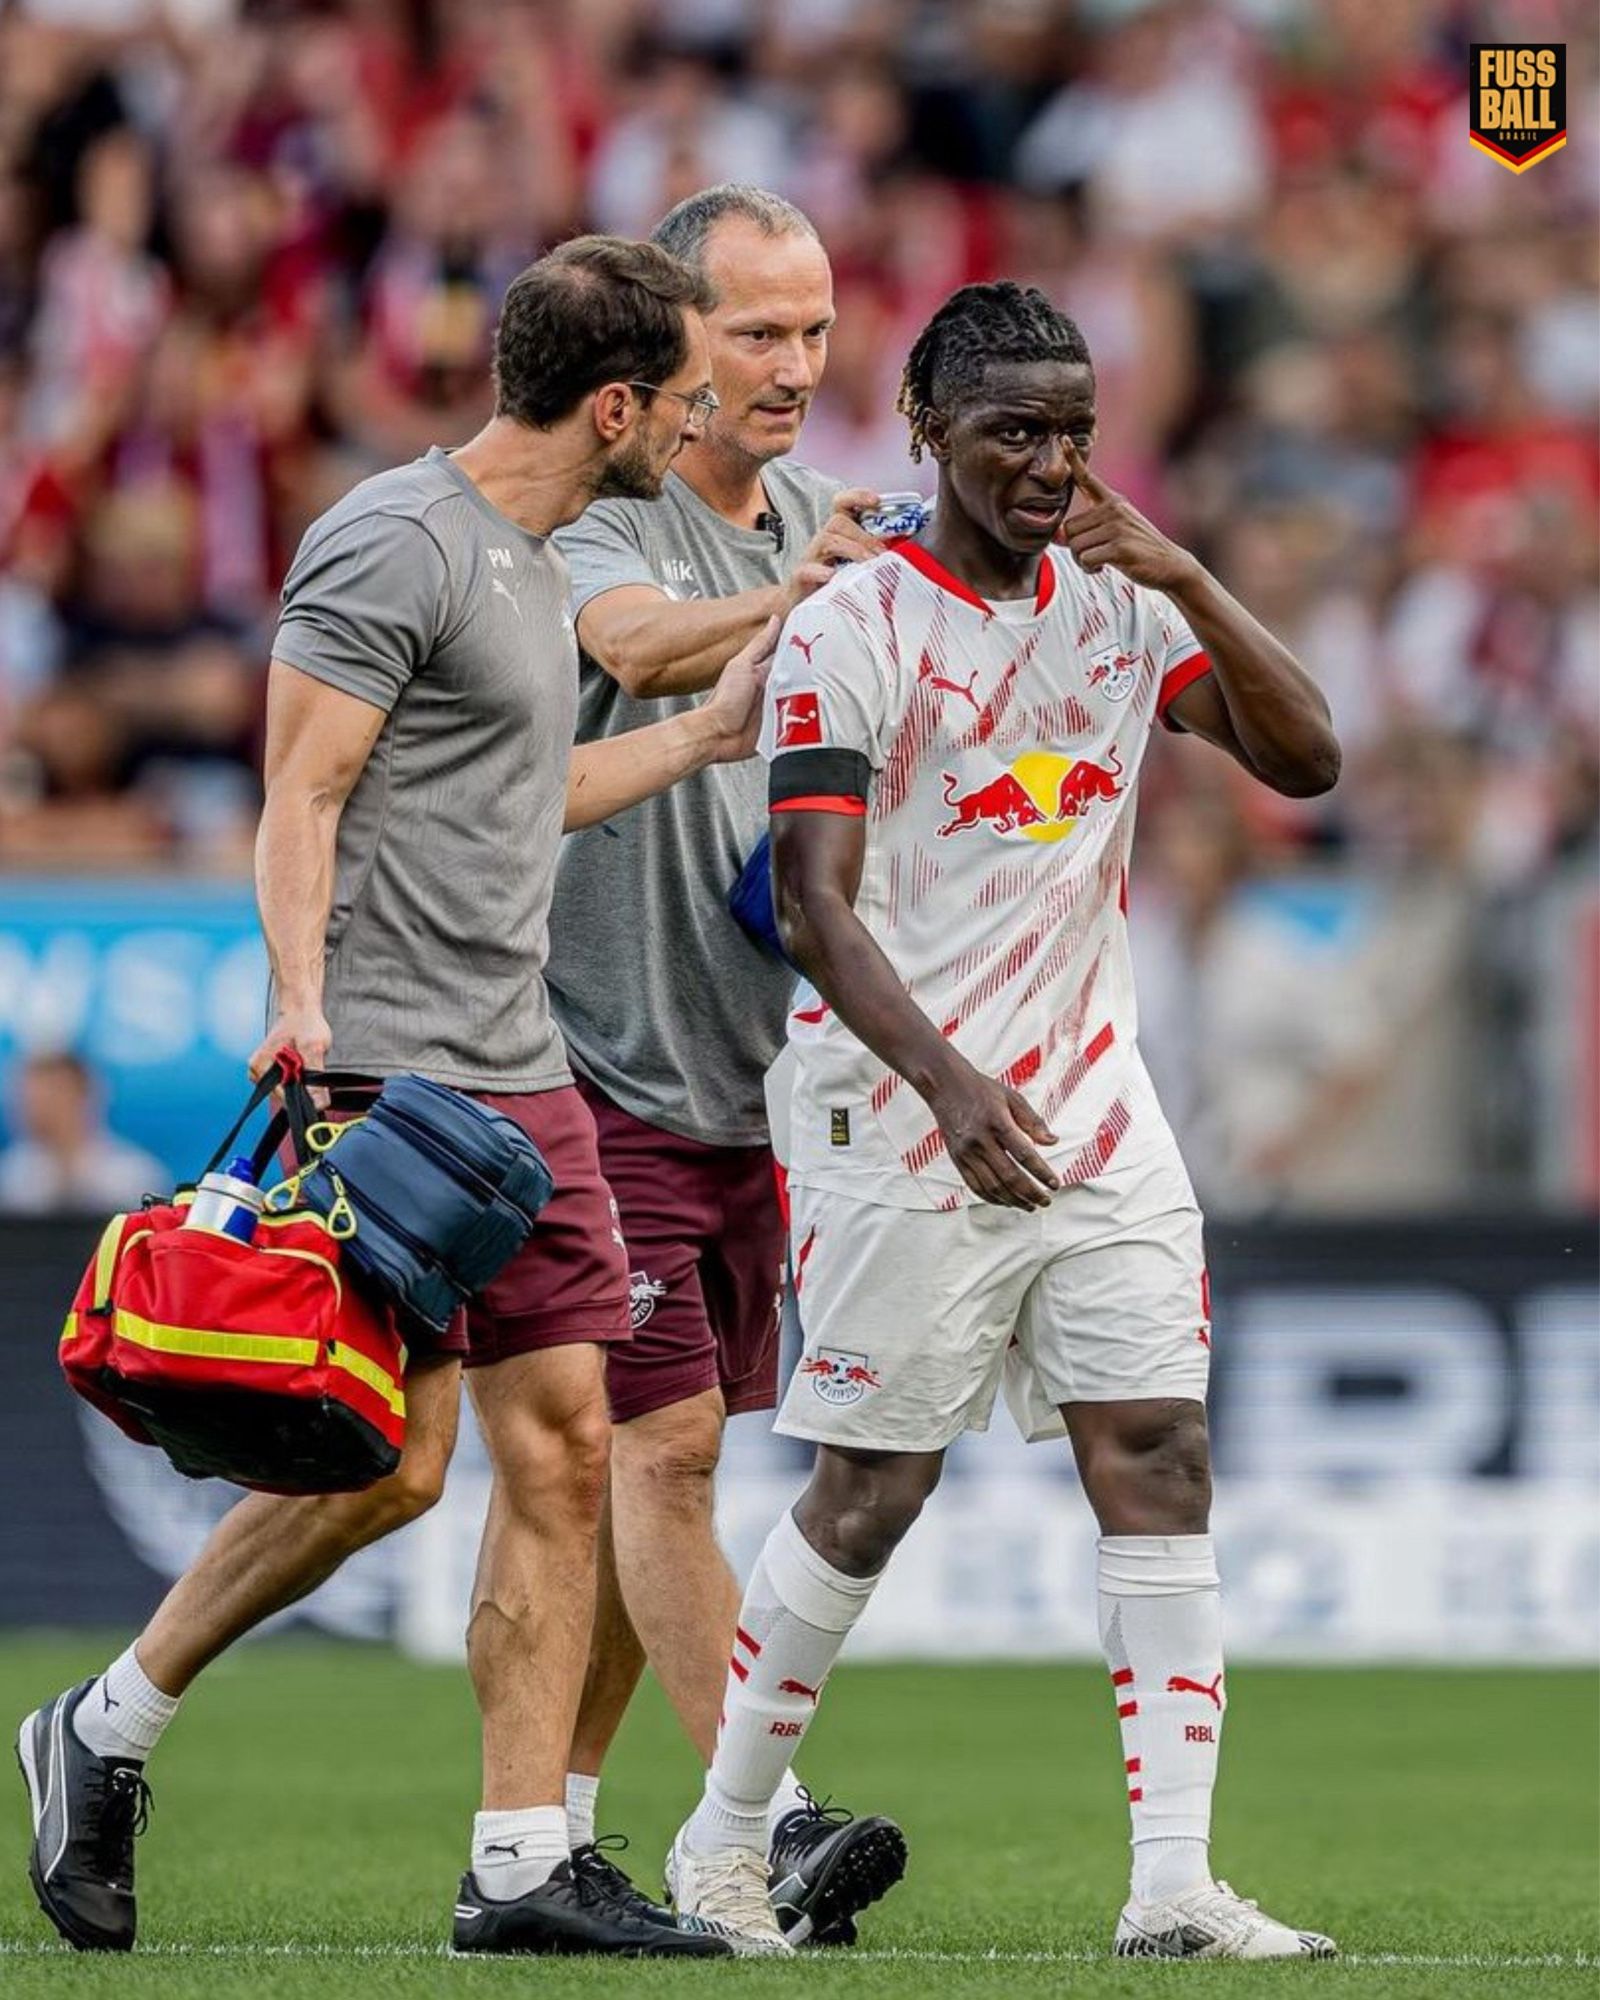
912,1318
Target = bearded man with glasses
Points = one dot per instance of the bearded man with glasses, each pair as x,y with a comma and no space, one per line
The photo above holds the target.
701,406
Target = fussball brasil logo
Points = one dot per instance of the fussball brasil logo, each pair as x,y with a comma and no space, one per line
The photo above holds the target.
1517,98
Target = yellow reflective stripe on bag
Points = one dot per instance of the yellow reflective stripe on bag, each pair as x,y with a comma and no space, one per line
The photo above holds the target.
105,1258
288,1350
110,1249
364,1369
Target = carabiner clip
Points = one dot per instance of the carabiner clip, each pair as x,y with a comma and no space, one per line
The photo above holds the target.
283,1196
341,1217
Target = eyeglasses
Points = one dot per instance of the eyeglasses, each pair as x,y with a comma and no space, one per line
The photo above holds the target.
702,405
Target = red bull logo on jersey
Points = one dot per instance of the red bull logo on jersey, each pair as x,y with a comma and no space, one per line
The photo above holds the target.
1004,804
1086,784
838,1377
1042,796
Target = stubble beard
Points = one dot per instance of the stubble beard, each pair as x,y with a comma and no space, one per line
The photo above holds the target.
735,445
631,474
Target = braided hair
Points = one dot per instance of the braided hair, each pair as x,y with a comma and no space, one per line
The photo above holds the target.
975,327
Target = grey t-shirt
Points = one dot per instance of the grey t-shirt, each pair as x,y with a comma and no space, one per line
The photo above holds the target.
664,1002
414,594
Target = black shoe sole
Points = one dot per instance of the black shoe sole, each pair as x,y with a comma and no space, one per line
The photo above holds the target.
568,1947
66,1929
855,1876
561,1926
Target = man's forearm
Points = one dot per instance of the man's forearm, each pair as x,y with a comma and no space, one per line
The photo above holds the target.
294,890
607,777
667,648
1278,712
847,966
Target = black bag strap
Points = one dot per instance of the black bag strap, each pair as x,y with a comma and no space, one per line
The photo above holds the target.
299,1113
265,1086
288,1074
342,1079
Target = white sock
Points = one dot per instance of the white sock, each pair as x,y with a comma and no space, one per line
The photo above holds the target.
514,1853
582,1791
1161,1631
788,1798
124,1713
797,1610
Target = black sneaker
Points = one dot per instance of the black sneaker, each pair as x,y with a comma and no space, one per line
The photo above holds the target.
592,1864
573,1912
86,1812
825,1867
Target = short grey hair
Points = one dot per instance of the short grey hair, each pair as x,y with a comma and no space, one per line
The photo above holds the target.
684,230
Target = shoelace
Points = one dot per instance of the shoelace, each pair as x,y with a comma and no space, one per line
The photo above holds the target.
1230,1911
124,1806
603,1878
1220,1891
801,1828
733,1891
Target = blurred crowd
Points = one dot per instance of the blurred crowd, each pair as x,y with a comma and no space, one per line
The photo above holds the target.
250,252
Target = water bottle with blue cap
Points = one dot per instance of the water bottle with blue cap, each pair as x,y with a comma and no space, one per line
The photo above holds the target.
228,1203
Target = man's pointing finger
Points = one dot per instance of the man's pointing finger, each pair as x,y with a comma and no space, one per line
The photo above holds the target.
1086,482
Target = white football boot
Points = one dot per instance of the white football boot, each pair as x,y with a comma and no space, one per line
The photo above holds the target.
726,1894
1212,1922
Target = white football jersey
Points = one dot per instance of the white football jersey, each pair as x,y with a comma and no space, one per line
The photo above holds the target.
1004,743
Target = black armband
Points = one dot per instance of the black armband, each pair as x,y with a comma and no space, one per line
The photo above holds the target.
819,781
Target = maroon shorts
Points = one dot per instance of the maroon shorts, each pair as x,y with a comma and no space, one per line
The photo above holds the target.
705,1255
569,1281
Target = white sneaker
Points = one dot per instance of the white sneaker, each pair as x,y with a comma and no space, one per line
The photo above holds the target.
1212,1922
726,1893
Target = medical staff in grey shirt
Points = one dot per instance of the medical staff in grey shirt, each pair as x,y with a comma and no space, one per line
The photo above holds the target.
672,1015
419,772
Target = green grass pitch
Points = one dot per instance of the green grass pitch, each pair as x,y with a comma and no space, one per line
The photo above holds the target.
313,1801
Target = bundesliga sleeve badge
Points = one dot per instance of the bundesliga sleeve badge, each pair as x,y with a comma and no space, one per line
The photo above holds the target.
799,721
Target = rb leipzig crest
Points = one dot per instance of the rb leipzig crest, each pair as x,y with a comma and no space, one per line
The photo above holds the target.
839,1377
1517,101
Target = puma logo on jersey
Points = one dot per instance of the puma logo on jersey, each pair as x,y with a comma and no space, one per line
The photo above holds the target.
805,645
501,590
958,687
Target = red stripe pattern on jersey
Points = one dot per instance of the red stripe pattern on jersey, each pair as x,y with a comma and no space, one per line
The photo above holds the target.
1005,745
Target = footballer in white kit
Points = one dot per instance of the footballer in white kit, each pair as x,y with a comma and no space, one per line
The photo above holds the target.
998,745
983,1185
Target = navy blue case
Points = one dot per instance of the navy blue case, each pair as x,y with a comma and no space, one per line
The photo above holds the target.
445,1192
